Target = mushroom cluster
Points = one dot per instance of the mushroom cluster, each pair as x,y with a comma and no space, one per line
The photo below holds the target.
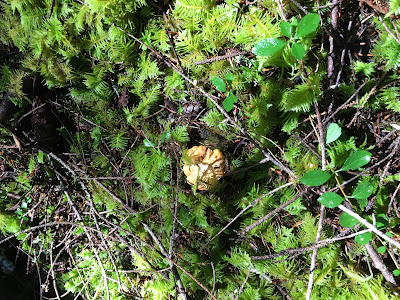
203,167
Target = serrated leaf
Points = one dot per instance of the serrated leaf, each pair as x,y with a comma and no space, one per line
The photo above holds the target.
330,200
268,47
307,25
347,221
219,84
229,78
333,133
286,28
357,160
315,178
298,51
362,191
381,249
364,238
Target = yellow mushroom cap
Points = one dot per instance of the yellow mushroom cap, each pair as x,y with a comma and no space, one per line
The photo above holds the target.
204,167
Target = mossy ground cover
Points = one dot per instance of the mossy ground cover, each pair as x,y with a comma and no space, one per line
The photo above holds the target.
100,100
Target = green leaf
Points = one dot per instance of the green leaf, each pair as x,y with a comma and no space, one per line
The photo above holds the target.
24,205
148,144
298,51
229,101
356,160
40,157
347,221
268,47
315,178
330,200
229,78
286,28
396,272
382,221
219,84
362,191
307,25
381,250
333,133
364,238
362,203
165,136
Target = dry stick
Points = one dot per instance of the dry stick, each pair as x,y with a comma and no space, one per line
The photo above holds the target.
378,263
221,57
179,61
181,289
170,260
306,145
245,209
302,8
320,244
31,112
364,100
208,96
272,213
281,10
115,197
388,30
96,213
331,56
81,221
33,228
281,290
243,284
344,105
370,226
322,209
393,201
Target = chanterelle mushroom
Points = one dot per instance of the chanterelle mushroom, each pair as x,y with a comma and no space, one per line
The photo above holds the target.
204,167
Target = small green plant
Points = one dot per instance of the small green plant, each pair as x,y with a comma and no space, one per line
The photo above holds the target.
21,211
361,193
295,31
220,85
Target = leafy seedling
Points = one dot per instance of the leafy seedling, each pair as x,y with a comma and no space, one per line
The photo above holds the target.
220,85
307,25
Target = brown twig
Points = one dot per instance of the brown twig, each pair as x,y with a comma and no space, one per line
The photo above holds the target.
221,57
378,263
254,202
272,213
322,209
